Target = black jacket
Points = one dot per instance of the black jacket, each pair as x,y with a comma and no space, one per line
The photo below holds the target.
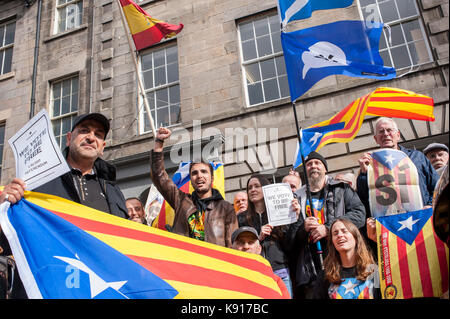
64,186
340,201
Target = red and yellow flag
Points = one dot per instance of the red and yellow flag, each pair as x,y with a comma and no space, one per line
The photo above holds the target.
384,101
144,29
392,102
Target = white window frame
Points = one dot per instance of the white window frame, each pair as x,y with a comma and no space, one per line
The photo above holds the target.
4,47
148,91
259,60
406,43
57,20
72,112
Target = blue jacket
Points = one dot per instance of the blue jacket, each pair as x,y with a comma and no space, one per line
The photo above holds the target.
427,178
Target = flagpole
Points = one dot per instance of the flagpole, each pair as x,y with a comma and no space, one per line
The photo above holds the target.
140,82
308,189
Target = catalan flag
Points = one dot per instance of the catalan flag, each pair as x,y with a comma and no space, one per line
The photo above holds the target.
384,101
392,102
182,180
144,29
413,261
67,250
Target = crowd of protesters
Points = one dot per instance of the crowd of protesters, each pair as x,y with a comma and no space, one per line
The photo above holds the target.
330,242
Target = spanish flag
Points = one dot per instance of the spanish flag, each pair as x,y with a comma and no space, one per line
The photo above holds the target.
64,250
144,29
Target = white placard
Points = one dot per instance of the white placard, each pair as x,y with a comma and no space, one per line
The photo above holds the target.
38,157
278,199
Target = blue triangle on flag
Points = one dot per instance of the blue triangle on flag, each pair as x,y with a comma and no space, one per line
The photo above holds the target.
406,225
388,157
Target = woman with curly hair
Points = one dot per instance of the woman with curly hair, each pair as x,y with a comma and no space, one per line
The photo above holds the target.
350,270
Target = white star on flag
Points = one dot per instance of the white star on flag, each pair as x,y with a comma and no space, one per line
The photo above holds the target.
389,159
349,287
407,223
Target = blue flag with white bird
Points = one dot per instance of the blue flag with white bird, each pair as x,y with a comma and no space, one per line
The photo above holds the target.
350,48
290,10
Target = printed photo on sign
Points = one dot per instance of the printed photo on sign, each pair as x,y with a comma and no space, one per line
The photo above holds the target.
278,199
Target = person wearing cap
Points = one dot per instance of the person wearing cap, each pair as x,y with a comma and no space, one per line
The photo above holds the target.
437,153
91,180
331,199
245,239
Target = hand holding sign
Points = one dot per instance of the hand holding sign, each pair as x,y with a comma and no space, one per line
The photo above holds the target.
278,199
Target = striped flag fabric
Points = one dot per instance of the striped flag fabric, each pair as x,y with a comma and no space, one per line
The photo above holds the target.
144,29
67,250
413,261
182,180
392,102
393,183
384,101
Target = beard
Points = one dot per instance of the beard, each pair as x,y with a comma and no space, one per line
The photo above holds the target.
316,178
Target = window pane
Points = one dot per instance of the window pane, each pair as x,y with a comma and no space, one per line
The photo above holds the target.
66,125
386,58
419,52
2,35
1,62
56,90
284,86
147,62
163,117
174,113
162,98
172,72
261,27
65,105
252,73
255,95
174,94
74,104
264,46
397,35
249,50
268,69
407,8
246,31
66,87
383,40
10,30
148,79
271,90
388,11
159,58
281,66
160,76
8,60
276,42
412,30
401,57
57,107
172,54
274,22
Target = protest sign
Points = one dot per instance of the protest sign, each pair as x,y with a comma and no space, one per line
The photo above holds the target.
278,199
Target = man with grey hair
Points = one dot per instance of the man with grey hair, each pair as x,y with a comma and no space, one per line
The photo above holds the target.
387,135
437,153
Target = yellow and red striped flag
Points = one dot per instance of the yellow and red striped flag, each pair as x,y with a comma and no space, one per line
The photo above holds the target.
392,102
182,179
111,257
384,101
144,29
413,261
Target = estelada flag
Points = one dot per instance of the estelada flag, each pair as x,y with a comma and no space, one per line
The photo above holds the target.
144,29
413,261
182,180
67,250
393,183
393,102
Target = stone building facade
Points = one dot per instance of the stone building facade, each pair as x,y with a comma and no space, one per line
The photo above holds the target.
220,84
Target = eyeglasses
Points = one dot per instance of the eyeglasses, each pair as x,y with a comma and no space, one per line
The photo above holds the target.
388,131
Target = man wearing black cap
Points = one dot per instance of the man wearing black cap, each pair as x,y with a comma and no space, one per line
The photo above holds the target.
91,181
331,199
